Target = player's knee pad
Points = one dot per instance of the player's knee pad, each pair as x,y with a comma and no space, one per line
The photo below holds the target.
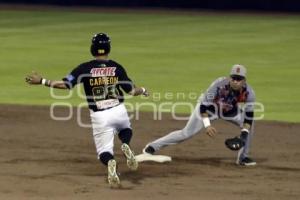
125,135
105,157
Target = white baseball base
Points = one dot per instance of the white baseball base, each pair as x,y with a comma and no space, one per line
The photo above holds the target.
156,158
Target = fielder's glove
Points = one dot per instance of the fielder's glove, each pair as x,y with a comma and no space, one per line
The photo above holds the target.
234,144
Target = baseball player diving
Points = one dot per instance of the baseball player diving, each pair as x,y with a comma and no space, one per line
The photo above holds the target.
103,81
228,98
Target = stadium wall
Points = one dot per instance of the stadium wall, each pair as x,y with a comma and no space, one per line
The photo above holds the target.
256,5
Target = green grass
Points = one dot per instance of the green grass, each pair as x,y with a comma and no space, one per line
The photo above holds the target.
167,53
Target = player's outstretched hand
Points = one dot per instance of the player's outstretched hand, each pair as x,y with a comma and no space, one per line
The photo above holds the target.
211,131
34,78
146,93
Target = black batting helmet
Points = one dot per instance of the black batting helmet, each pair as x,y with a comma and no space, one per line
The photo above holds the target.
100,44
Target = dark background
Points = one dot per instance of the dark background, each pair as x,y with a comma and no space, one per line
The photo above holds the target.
256,5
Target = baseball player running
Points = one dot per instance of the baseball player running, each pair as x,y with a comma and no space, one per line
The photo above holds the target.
222,100
103,80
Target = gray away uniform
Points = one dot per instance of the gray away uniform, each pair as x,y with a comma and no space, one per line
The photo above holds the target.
221,103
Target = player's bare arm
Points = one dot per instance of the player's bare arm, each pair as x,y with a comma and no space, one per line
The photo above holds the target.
209,129
36,79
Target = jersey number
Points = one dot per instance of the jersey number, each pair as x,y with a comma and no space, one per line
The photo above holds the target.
105,92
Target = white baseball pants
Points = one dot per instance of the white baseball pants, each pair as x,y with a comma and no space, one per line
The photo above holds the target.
106,124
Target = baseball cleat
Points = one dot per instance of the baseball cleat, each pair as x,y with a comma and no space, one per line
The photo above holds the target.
246,162
113,179
148,150
131,161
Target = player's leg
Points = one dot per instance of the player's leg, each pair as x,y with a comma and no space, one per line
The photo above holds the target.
104,145
193,126
243,157
123,127
104,141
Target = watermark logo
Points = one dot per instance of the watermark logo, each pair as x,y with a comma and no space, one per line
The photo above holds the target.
158,104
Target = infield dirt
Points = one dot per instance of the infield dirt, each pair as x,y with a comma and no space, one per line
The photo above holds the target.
41,158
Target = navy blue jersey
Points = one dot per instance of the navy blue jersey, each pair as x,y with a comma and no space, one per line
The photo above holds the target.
102,81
